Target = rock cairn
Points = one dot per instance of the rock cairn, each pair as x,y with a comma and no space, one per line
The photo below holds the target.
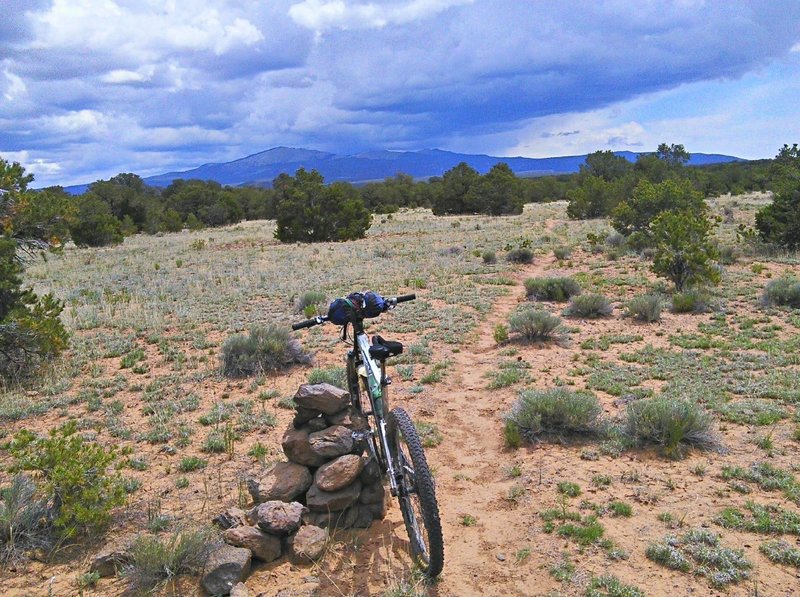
327,470
326,483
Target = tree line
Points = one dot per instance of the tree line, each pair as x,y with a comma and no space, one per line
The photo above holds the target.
124,205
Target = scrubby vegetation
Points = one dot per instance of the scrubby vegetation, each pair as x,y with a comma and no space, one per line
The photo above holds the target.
552,289
556,411
645,307
534,324
265,349
589,306
672,424
152,326
77,477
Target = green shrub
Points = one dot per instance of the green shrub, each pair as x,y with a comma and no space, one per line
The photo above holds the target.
266,349
554,411
611,586
335,376
534,324
634,216
557,289
489,257
191,463
590,306
24,519
307,210
512,435
781,552
312,298
30,331
155,561
670,424
562,253
569,489
699,551
74,475
520,255
684,253
777,222
691,301
500,333
645,307
619,508
783,291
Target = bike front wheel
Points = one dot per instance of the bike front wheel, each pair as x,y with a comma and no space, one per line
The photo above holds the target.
416,492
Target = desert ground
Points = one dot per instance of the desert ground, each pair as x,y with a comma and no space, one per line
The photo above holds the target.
149,319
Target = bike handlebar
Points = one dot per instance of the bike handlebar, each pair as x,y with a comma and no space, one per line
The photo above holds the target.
320,319
310,322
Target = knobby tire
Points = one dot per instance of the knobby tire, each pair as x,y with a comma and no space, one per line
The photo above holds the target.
416,493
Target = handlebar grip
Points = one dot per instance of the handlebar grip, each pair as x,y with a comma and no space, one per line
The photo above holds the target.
304,324
406,297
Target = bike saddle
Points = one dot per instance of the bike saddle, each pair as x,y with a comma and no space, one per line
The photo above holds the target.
383,349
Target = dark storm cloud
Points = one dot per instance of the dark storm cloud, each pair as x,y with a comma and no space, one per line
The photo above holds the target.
223,79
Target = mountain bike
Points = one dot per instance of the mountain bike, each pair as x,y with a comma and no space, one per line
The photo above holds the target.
391,437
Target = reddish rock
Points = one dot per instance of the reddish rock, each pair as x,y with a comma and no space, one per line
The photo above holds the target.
297,448
264,546
331,442
278,518
307,544
322,397
322,501
338,474
284,482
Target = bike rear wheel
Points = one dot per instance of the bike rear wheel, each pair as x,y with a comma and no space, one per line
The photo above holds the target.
416,492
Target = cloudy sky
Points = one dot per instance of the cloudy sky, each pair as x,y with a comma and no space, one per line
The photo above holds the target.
91,88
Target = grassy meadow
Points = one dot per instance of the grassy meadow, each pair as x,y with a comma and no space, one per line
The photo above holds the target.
569,514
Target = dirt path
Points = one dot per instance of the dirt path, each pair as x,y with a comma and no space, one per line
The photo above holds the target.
471,464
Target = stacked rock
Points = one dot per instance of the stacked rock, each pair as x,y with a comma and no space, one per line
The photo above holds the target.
326,470
265,533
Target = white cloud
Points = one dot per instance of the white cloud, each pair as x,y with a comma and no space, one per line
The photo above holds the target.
122,76
88,123
324,15
139,32
15,86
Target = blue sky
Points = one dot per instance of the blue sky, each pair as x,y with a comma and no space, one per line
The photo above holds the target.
91,88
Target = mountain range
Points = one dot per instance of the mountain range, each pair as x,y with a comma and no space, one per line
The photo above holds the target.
261,168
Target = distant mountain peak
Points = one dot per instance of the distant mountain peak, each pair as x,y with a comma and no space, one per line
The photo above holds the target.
262,168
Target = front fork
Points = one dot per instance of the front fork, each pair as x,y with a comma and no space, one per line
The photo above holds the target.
379,409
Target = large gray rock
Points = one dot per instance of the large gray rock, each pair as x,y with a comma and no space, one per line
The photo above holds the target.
284,482
349,418
264,546
297,448
331,442
226,567
307,544
357,516
338,474
371,473
322,501
322,397
374,493
278,518
303,416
